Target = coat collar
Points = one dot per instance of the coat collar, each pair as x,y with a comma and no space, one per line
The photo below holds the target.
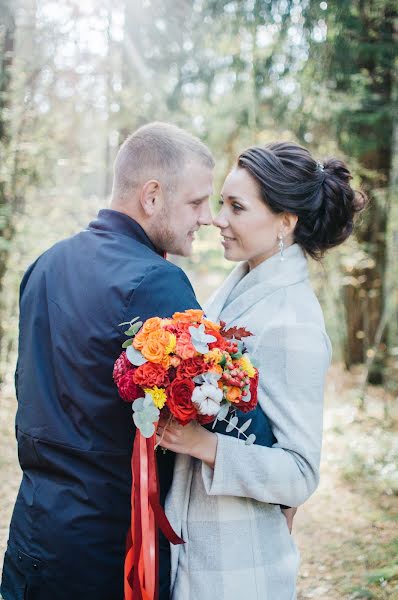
243,288
118,222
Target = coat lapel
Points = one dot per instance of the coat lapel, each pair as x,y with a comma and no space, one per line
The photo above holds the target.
244,288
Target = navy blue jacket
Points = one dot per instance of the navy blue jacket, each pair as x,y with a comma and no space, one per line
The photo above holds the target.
68,530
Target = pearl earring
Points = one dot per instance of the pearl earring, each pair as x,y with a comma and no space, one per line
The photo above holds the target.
281,247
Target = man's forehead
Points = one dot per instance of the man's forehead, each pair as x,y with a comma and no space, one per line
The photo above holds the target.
197,180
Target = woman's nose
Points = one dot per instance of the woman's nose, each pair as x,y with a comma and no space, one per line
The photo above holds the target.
220,220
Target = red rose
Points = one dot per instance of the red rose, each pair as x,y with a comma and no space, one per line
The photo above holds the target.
128,389
151,374
191,367
220,341
248,406
122,365
179,400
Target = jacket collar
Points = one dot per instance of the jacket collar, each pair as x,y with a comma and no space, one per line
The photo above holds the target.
244,288
118,222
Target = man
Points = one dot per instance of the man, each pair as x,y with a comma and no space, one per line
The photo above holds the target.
68,530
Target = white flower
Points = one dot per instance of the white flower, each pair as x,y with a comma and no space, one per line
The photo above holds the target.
207,399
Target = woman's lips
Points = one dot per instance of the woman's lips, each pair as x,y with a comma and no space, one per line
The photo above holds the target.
227,240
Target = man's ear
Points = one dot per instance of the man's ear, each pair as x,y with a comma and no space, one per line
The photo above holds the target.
288,222
151,197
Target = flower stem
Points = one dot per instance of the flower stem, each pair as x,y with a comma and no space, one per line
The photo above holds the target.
164,431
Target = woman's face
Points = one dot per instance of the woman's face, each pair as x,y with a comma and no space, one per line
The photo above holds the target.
248,227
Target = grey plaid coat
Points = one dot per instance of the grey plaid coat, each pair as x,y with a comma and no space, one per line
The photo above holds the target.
237,542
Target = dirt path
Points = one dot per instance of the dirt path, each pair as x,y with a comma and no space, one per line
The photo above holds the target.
346,532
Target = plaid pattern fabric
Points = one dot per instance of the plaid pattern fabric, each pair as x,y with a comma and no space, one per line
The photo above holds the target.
237,541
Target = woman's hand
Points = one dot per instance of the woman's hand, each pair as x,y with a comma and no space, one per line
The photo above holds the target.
192,439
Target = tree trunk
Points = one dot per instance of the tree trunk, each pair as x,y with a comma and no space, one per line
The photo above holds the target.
7,45
364,295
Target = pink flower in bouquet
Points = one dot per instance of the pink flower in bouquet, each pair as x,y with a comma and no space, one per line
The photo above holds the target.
184,347
128,389
122,365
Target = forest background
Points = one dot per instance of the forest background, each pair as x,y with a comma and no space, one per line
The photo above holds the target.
77,77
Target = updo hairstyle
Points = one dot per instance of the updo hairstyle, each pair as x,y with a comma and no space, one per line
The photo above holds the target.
320,194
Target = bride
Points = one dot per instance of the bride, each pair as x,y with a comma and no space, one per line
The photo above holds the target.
278,207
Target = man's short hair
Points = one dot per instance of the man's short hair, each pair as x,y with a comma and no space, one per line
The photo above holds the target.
156,151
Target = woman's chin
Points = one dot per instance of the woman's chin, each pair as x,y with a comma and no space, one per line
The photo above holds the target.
230,255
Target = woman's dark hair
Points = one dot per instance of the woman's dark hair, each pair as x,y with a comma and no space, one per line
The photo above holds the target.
290,180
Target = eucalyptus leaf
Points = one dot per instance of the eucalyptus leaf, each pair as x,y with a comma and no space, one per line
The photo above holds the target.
135,356
222,413
138,404
151,413
250,440
200,347
128,322
127,343
248,396
211,378
232,424
245,425
148,400
147,429
214,423
138,419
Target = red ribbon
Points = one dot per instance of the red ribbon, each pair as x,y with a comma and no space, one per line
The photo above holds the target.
141,565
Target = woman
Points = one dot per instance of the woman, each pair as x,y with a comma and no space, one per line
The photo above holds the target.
278,206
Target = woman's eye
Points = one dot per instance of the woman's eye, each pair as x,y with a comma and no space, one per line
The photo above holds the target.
237,207
220,202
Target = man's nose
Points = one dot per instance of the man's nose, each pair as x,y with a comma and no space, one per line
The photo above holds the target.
205,215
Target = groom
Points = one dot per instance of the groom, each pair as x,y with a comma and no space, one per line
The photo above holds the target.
68,529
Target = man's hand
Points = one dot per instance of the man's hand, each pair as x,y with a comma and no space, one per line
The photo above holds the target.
192,439
289,516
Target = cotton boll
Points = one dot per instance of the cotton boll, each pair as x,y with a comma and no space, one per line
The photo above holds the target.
207,399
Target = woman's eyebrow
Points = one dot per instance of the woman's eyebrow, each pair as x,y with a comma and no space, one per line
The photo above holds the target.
233,198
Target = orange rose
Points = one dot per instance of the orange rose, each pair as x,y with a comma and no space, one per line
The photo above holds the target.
151,324
234,394
211,326
184,347
140,340
154,348
192,315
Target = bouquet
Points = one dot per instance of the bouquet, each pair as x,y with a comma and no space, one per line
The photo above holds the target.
191,369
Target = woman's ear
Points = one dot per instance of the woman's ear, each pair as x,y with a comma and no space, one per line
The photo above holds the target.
288,222
151,197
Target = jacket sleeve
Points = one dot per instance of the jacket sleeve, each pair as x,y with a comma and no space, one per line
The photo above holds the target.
163,291
293,361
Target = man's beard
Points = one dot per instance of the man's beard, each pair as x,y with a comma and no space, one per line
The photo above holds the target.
164,238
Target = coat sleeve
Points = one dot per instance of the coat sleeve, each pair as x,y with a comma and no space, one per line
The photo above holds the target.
293,361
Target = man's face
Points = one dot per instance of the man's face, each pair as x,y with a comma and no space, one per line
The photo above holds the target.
186,209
